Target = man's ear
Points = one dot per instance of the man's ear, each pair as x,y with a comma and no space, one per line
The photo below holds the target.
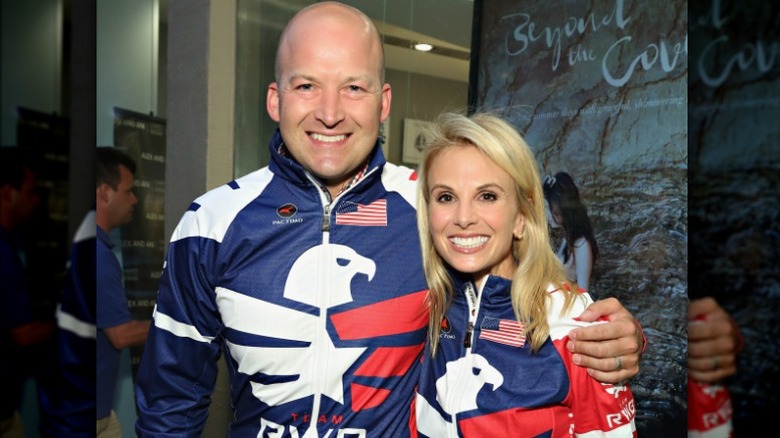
101,193
272,101
387,97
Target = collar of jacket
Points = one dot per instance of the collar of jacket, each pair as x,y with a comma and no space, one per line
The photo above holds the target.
284,165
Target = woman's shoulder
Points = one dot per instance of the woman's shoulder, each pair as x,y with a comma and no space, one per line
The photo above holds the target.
581,242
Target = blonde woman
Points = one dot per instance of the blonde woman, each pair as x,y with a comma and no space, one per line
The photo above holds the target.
500,304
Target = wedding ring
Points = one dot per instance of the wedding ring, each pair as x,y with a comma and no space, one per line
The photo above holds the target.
618,363
715,362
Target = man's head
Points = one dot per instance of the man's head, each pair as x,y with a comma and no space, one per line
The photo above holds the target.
18,189
329,97
114,188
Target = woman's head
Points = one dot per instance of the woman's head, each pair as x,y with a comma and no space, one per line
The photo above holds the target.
480,200
473,212
566,210
562,197
480,191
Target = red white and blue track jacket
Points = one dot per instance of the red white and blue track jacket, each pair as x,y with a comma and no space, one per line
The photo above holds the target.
709,410
485,381
317,306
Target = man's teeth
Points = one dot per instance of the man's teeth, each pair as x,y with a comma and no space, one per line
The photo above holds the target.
469,242
329,138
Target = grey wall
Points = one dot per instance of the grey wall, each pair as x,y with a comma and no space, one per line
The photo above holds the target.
31,58
419,97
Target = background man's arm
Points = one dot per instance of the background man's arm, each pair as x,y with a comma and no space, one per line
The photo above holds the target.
128,334
714,340
32,332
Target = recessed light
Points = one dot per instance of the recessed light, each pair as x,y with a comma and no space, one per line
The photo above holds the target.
423,47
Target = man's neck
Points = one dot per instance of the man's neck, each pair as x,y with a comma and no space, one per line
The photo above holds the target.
102,224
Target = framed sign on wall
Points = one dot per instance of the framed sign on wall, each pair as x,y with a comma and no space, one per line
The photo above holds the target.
415,139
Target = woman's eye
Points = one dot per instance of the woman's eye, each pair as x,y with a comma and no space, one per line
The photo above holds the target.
488,196
444,198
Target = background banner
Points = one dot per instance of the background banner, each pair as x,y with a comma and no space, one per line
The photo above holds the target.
734,149
143,241
599,90
45,139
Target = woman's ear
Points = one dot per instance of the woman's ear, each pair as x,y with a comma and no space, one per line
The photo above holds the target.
519,230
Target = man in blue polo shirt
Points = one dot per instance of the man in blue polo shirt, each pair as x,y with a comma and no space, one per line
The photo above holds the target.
115,328
21,333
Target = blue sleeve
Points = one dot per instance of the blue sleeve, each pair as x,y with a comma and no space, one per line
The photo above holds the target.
15,308
178,370
111,298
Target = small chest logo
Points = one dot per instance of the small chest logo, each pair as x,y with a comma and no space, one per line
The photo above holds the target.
287,211
445,325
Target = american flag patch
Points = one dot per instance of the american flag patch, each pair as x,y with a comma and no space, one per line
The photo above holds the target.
503,331
371,215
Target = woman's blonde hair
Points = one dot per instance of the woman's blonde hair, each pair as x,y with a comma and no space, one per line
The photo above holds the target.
538,266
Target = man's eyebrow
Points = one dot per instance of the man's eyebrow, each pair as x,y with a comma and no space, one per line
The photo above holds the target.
299,76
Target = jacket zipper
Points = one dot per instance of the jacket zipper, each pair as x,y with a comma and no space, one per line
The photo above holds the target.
327,204
322,362
326,219
471,299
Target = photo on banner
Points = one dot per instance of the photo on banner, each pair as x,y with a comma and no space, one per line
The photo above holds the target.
599,90
46,140
143,240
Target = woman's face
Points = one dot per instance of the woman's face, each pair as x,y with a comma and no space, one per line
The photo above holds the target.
554,216
473,212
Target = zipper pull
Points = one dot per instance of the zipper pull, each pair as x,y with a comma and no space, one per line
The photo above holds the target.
326,219
469,330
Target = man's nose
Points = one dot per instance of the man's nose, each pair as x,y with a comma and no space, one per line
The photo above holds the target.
330,111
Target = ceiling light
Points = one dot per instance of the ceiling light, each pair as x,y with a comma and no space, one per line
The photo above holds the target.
423,47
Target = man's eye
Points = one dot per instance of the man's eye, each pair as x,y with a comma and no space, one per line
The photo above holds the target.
354,88
304,87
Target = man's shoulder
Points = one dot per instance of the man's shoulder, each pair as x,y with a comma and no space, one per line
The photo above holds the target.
6,250
247,186
211,214
398,169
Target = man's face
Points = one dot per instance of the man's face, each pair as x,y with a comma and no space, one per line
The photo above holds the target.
25,199
329,100
122,200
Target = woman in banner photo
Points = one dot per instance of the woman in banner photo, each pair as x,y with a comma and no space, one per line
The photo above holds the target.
495,362
569,220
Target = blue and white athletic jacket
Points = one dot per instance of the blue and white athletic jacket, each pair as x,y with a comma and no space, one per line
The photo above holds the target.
317,306
485,382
